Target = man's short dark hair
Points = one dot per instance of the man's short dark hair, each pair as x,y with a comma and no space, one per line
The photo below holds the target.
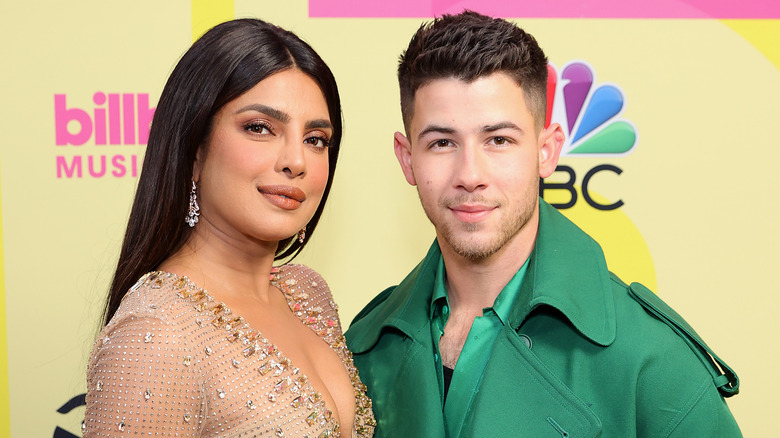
468,46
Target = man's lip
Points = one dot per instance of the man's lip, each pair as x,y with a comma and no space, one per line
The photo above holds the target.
471,213
286,191
471,208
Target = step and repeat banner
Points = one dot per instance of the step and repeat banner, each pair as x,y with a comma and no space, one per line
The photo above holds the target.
670,110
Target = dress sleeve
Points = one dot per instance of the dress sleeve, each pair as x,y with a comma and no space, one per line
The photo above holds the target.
320,300
142,380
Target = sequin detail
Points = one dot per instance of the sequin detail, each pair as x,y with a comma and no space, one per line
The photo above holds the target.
173,347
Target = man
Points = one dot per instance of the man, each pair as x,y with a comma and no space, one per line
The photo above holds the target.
512,325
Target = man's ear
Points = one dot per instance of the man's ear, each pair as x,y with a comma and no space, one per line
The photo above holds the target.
403,151
550,144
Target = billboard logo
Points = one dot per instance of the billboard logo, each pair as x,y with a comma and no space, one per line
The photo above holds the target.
106,123
590,116
116,119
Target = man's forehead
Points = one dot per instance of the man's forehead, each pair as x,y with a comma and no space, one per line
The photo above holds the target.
456,104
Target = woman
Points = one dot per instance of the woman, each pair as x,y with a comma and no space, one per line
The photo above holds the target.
239,163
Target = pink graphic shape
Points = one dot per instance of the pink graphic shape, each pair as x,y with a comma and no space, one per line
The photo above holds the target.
578,79
713,9
552,84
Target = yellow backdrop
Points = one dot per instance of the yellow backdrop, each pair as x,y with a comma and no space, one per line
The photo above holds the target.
698,189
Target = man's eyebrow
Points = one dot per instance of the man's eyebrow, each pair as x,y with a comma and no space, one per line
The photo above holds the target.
435,129
501,125
267,110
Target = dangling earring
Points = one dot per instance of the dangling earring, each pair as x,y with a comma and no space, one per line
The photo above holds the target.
193,213
302,234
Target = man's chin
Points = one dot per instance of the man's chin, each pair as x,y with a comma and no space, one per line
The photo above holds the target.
473,249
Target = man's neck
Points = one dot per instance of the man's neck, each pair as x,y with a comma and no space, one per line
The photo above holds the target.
473,285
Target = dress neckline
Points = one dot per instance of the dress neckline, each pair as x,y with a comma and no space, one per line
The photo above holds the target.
274,361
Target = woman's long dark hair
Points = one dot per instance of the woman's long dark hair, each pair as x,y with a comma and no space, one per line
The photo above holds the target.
223,64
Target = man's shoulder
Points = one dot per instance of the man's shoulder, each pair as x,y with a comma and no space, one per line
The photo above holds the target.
652,328
373,304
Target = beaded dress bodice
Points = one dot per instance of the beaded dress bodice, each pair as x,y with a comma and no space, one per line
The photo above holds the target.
173,361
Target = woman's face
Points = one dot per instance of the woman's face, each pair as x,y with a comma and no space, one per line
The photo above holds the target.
264,167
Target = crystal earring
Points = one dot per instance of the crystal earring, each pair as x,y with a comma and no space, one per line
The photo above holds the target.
193,212
302,234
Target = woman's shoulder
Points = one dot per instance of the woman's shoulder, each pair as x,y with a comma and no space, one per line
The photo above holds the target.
309,298
157,295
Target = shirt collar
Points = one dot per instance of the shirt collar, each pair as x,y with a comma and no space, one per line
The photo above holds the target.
566,270
502,306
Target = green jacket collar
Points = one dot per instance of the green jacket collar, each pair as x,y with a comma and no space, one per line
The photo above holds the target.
567,271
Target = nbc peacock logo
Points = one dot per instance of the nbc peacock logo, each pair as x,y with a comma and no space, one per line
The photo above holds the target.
591,116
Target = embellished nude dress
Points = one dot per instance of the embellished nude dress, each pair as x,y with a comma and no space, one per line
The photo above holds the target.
175,362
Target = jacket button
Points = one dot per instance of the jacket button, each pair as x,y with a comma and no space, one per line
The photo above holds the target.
526,340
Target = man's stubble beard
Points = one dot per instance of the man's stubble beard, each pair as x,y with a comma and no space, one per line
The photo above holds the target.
467,248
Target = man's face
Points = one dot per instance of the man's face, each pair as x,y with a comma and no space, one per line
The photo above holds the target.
476,157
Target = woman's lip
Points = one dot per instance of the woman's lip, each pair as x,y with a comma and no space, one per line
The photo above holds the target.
284,197
286,191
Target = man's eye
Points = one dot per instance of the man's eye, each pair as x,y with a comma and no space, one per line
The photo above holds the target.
499,140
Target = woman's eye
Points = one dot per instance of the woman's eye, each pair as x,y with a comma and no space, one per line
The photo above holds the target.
319,142
257,128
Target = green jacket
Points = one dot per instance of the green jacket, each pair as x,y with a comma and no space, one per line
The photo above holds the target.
605,359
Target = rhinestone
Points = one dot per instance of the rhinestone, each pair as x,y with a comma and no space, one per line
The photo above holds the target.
208,351
105,340
83,425
187,360
221,393
153,306
148,337
187,418
218,308
236,363
272,397
279,432
297,401
99,385
250,405
121,426
148,394
291,282
314,284
283,384
312,418
266,367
